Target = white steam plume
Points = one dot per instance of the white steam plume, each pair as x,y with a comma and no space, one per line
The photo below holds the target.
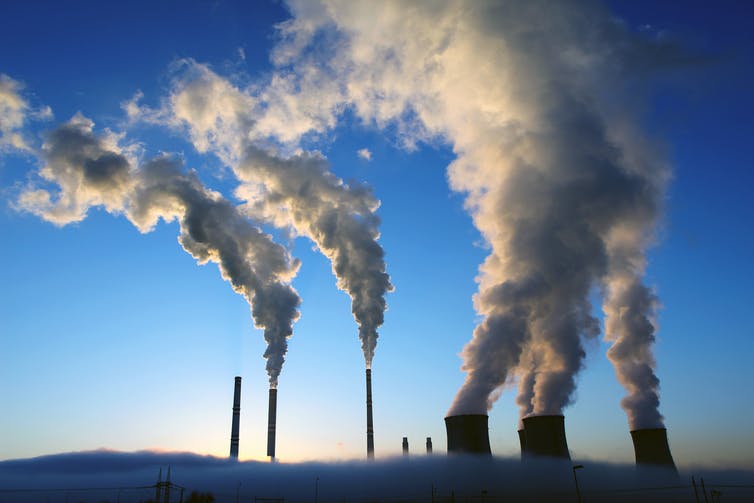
531,97
296,191
94,171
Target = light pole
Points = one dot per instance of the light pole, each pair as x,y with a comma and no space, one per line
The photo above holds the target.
576,480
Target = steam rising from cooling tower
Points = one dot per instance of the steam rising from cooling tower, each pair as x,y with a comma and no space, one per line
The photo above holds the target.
564,190
235,426
93,171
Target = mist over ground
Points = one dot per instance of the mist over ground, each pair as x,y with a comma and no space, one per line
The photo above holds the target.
100,476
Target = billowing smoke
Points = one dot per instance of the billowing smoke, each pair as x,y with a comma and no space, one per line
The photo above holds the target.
297,191
532,97
94,171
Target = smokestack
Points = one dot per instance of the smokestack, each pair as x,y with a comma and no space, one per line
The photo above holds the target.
271,423
429,446
651,447
467,433
522,441
236,419
405,446
545,436
370,425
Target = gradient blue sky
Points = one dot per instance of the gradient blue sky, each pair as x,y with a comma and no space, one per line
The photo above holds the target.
110,338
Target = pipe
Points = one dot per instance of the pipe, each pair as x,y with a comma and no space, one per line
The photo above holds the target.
234,428
271,423
370,424
468,433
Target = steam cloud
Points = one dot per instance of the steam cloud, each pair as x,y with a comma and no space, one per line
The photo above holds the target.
532,98
297,191
94,171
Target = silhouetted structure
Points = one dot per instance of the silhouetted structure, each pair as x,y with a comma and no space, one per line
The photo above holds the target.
234,429
429,445
405,446
545,436
467,433
651,447
370,425
272,423
522,441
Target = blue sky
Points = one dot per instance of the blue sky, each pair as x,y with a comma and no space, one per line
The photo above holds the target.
115,339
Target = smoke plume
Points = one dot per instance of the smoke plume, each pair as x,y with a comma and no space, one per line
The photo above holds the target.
297,191
93,171
532,97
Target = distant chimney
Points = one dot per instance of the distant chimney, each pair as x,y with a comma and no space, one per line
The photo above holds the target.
429,445
467,433
651,447
236,419
271,423
370,425
405,446
545,436
522,441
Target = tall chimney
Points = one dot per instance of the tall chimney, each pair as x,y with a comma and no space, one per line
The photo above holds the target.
429,445
651,447
522,441
467,433
271,423
370,424
545,436
405,446
236,419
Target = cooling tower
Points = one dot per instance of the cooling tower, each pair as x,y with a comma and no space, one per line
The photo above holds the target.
429,445
545,436
651,447
467,433
522,441
236,419
271,423
370,425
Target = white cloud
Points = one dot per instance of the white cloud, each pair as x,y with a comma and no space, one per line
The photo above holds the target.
365,154
14,110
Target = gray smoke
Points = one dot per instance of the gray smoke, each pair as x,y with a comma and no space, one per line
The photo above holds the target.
93,171
532,97
297,192
302,192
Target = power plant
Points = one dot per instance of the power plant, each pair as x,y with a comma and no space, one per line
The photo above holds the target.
235,425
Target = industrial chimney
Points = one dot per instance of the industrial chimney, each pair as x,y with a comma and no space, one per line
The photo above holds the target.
370,425
429,446
467,433
545,436
522,441
405,446
236,419
271,423
651,447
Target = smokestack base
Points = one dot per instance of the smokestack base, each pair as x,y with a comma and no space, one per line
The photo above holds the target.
651,448
468,433
545,436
